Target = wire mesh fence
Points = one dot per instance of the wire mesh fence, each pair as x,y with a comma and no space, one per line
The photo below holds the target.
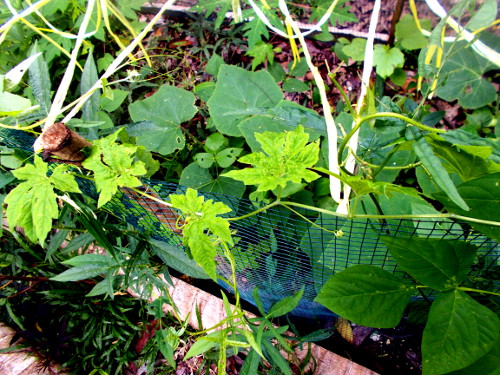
280,251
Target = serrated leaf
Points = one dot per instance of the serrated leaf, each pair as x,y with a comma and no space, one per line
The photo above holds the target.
261,52
89,78
164,112
90,259
255,29
113,165
285,158
459,331
386,59
461,78
252,93
39,80
32,204
62,181
366,295
462,139
440,264
209,6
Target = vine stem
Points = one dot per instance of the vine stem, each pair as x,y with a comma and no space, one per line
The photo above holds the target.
465,289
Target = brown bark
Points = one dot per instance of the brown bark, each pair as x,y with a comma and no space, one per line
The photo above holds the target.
60,141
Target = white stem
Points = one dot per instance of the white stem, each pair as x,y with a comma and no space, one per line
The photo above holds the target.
478,46
63,88
343,207
331,128
118,61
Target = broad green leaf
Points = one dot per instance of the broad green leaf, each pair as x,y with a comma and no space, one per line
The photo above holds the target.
440,264
61,181
408,35
295,85
461,78
176,258
128,8
109,105
114,166
89,78
366,295
82,272
484,16
204,90
227,157
356,49
216,142
285,305
162,114
261,52
434,166
214,64
489,364
285,158
204,159
200,178
386,59
459,332
483,197
474,144
252,93
12,105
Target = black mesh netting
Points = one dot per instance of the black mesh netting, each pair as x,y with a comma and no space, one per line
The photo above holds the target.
278,251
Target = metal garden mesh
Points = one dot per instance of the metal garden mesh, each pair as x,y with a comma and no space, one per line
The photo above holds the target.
277,250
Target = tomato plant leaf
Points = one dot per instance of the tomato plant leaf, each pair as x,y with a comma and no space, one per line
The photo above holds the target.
459,331
252,93
285,157
164,111
366,295
440,264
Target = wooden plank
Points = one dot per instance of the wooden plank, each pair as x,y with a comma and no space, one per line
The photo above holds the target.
186,297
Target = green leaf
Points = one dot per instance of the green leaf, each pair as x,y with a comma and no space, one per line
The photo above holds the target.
163,344
12,105
483,197
295,85
204,90
227,157
216,142
461,78
408,35
32,204
366,295
89,78
111,104
200,178
114,166
386,59
434,166
440,264
285,157
252,93
285,305
39,80
489,364
474,144
340,15
356,49
255,30
207,7
214,64
177,259
129,7
204,159
90,259
459,331
204,344
261,52
485,15
83,272
203,227
162,115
